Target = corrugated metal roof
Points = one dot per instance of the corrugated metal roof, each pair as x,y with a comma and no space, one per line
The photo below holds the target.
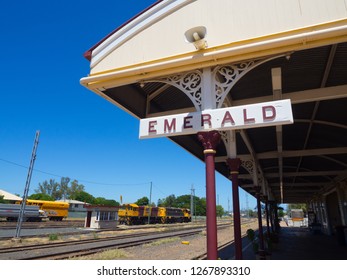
312,155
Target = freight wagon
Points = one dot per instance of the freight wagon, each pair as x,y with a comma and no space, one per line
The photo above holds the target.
32,213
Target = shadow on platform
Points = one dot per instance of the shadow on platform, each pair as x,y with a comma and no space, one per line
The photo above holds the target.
301,244
295,244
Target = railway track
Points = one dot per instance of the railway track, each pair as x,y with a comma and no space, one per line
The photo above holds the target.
68,249
45,224
78,230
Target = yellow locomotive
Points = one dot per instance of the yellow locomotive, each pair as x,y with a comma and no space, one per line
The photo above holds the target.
132,214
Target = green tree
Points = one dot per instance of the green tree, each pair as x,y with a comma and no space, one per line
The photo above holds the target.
50,188
200,206
107,202
142,201
280,213
2,199
219,210
251,213
160,202
41,196
66,188
75,188
183,201
169,201
84,196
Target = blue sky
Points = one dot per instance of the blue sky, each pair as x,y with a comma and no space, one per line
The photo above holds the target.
83,136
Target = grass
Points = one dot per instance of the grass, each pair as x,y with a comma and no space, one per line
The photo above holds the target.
105,255
53,237
162,241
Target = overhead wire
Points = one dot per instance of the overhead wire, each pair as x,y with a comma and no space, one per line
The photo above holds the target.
79,180
87,181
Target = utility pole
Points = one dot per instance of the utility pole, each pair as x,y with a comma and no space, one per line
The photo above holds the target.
27,185
149,205
192,194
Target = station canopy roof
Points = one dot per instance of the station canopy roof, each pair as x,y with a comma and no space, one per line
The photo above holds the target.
303,54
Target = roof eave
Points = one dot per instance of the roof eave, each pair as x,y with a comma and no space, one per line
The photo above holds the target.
88,54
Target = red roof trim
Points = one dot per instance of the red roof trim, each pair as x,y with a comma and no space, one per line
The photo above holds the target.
101,206
88,53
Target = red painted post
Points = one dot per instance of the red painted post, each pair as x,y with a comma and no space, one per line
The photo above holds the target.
234,165
210,140
260,224
267,216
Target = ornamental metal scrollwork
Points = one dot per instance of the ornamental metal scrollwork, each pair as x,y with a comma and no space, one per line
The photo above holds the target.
224,137
226,77
248,165
189,83
260,179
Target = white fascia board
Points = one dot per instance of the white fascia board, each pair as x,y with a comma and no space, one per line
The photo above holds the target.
135,26
265,46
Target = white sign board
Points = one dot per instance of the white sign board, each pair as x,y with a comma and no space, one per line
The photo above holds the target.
239,117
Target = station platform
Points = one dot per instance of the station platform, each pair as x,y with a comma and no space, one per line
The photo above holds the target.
298,243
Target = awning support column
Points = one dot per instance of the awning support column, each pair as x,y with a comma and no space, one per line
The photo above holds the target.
234,165
260,224
210,141
272,224
277,225
267,213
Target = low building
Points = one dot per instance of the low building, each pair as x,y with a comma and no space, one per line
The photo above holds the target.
101,216
9,196
76,208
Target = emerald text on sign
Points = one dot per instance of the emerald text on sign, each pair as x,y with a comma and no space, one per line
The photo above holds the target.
238,117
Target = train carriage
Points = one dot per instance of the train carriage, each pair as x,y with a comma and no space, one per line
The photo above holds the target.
174,215
132,214
162,215
144,211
